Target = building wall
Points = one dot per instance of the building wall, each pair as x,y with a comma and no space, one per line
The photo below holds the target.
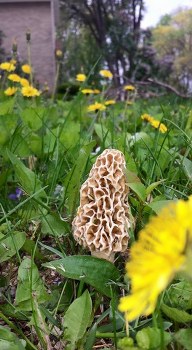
16,19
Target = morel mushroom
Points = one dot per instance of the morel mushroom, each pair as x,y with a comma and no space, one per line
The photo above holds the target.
103,217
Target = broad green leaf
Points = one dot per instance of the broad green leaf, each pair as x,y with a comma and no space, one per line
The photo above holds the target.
179,295
73,179
30,286
152,338
104,134
132,177
20,145
99,273
156,206
9,341
139,137
7,126
184,338
175,314
70,134
135,184
130,162
152,186
33,117
27,178
139,190
29,247
9,246
35,144
187,167
53,225
77,319
7,106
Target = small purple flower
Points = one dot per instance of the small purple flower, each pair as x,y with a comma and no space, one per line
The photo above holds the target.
16,196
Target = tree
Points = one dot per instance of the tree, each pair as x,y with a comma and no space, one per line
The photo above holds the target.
112,27
172,40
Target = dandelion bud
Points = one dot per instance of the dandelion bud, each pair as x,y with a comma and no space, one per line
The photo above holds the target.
59,53
28,36
14,47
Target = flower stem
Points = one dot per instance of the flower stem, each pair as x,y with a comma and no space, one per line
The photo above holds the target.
29,60
56,81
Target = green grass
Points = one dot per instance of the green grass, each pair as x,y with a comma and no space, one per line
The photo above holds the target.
47,149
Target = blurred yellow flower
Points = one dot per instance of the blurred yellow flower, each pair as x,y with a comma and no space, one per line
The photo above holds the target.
81,77
106,73
8,66
14,77
164,247
10,91
96,107
147,117
87,91
29,91
110,102
24,82
129,87
13,61
26,68
157,125
96,91
59,53
154,122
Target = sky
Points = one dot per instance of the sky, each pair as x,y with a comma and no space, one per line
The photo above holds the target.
157,8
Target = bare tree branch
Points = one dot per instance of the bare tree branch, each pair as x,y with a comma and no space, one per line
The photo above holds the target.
168,87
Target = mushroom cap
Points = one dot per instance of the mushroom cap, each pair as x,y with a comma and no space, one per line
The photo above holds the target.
103,220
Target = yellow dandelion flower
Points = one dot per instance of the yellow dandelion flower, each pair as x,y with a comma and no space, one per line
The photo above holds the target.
110,102
81,77
96,107
96,91
154,122
163,249
10,91
24,82
29,91
14,77
157,125
106,73
26,68
147,117
163,128
8,66
129,88
87,91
